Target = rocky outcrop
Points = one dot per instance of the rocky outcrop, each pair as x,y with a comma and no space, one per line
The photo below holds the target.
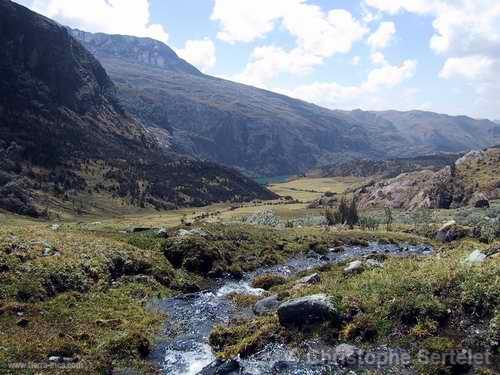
307,310
472,180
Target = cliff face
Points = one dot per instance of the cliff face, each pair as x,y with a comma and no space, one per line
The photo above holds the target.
64,135
261,132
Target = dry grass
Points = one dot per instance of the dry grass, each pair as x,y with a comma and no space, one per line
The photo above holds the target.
307,189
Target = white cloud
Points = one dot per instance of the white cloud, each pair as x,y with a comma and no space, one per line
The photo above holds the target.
467,33
395,6
200,53
245,21
382,37
373,93
356,60
378,58
268,61
130,17
470,67
318,35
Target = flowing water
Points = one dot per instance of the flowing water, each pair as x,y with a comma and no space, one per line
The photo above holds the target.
191,318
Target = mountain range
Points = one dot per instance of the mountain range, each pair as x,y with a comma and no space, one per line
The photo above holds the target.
260,132
65,139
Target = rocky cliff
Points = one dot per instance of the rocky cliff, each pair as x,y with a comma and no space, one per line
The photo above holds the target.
473,179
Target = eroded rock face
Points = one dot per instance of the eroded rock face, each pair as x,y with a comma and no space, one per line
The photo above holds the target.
314,309
472,180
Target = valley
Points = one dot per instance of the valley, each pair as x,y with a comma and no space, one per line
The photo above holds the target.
158,220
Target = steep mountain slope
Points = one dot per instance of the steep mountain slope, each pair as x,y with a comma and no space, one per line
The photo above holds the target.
430,132
64,136
261,132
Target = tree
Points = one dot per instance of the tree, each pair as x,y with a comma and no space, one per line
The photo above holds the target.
344,214
388,218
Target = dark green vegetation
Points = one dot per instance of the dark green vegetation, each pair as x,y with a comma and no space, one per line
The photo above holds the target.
66,142
261,132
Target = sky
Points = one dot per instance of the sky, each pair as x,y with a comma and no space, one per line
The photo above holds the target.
437,55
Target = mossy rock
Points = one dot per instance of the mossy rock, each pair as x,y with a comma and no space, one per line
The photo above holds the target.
197,255
267,281
127,345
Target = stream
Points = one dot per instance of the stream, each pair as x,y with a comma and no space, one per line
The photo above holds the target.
191,317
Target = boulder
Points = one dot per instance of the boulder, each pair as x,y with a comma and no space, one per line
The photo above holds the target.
354,267
221,367
193,232
476,257
310,279
451,232
314,309
372,263
480,200
267,305
346,354
162,233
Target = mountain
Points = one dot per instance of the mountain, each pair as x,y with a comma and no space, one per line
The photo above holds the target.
385,168
260,132
65,139
428,132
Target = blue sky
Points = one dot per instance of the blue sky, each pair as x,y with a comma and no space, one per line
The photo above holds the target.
439,55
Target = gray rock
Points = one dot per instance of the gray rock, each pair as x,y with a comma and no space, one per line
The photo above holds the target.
354,267
192,232
310,279
476,257
266,305
307,310
450,232
162,233
220,367
347,355
372,263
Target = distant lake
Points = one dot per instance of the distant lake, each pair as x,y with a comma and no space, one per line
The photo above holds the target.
273,180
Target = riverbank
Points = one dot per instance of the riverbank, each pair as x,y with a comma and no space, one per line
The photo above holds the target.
79,294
